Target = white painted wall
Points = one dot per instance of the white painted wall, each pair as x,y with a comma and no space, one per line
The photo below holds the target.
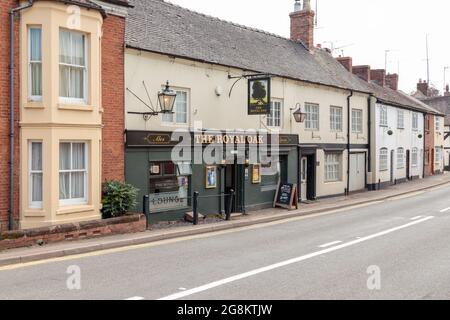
406,138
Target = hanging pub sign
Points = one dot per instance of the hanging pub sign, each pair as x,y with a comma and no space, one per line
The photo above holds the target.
259,96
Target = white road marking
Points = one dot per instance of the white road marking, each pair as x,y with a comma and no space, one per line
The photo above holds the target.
251,273
417,218
182,289
135,298
330,244
444,210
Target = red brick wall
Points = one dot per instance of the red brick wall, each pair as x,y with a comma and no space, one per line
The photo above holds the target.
113,98
362,72
302,27
429,145
5,7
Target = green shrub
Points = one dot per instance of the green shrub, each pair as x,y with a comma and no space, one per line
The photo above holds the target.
118,198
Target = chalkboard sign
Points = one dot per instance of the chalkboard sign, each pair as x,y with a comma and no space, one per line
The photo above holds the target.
286,196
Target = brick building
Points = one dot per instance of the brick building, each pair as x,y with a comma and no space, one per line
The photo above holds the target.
48,119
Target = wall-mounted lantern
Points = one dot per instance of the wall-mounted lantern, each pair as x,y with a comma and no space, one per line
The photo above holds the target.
166,102
299,116
166,99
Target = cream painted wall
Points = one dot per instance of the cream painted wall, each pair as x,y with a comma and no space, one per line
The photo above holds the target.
223,112
51,121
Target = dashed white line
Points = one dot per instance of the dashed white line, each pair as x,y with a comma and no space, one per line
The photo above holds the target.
417,218
135,298
326,245
251,273
445,210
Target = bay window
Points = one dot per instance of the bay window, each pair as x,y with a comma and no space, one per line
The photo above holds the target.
35,174
73,173
35,63
72,67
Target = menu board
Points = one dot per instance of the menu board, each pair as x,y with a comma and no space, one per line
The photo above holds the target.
286,196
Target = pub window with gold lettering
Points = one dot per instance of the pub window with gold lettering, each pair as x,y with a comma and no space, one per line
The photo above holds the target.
169,186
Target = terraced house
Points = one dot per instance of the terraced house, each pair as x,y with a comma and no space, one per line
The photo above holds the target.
61,119
200,56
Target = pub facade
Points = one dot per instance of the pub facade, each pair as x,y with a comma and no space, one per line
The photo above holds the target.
212,87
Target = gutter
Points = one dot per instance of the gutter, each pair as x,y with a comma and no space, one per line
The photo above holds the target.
12,14
348,141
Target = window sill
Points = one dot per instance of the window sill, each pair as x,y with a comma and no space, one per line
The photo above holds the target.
72,209
34,105
76,107
333,182
34,213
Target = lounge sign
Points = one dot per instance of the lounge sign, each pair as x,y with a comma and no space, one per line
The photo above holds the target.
259,96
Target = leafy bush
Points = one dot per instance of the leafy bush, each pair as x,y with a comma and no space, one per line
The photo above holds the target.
118,198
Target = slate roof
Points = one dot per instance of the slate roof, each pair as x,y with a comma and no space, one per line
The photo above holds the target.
442,104
161,27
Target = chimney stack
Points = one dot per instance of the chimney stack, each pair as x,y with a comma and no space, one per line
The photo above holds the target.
302,23
423,87
447,91
362,72
378,76
392,81
347,62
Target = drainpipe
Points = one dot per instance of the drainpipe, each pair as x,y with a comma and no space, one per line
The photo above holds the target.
369,134
348,141
12,14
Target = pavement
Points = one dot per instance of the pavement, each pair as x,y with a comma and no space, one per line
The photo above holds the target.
324,206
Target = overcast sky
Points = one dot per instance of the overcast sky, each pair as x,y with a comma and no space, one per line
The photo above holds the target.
363,29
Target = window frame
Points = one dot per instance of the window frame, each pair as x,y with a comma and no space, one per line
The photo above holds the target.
336,119
271,118
174,114
31,97
438,160
309,114
384,167
400,124
359,125
400,158
415,156
437,121
85,199
35,204
333,164
71,100
415,121
383,116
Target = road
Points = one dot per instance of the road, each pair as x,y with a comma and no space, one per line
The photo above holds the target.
395,249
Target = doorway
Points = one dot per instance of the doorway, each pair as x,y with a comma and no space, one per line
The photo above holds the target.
408,164
307,177
233,181
283,169
392,166
357,171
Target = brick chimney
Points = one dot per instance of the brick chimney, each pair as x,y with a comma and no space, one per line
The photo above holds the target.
447,91
347,62
392,81
302,23
378,76
362,71
423,87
